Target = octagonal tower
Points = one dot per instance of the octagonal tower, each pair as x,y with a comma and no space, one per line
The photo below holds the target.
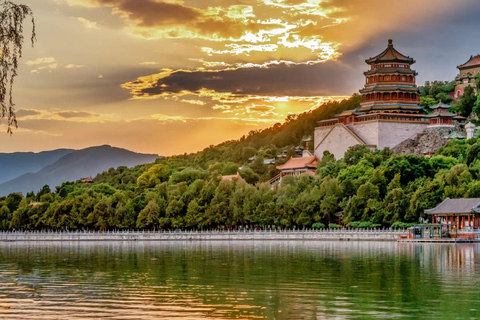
390,84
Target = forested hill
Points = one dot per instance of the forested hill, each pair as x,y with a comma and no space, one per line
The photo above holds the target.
372,188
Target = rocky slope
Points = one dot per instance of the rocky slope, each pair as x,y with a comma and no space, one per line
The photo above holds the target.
429,141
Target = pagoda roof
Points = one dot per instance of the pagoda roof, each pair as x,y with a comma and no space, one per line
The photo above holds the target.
299,163
391,70
347,113
390,55
394,115
391,106
438,114
232,176
456,207
454,135
474,61
440,105
389,88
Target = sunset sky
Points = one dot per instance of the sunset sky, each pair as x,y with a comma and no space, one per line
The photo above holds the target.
174,76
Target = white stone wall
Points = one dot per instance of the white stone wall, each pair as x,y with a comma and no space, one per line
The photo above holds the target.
392,133
320,133
377,133
367,131
337,141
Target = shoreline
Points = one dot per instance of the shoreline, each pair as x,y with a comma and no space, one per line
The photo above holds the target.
324,235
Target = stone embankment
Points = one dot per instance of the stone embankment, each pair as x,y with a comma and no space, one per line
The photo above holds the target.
303,235
430,140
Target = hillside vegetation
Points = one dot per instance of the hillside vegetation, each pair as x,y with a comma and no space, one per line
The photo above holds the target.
371,188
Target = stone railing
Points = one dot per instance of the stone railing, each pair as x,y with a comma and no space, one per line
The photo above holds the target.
307,235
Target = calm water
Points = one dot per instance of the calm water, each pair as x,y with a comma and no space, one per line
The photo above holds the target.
239,280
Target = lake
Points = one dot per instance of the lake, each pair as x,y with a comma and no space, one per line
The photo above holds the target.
239,280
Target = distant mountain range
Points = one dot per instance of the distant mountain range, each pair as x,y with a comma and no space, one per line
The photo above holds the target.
13,165
25,172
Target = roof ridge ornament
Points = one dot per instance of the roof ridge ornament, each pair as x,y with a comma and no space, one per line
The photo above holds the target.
390,42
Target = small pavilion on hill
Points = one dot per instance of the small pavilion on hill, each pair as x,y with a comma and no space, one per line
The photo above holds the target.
458,217
442,117
232,177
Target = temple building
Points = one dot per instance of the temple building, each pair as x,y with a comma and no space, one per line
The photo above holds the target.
466,75
442,117
458,218
296,166
389,113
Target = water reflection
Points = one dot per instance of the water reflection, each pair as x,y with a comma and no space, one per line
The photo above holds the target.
238,280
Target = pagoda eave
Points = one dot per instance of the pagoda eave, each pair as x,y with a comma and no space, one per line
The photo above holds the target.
390,71
390,107
388,89
400,60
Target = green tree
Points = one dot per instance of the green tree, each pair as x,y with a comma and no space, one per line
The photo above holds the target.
467,102
11,45
427,102
476,107
5,217
154,175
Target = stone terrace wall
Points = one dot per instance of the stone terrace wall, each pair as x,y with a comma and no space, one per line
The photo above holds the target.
307,235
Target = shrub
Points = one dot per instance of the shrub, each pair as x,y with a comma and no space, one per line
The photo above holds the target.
318,225
334,226
400,224
363,224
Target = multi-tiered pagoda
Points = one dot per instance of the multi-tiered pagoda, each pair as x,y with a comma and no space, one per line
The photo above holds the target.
389,113
390,84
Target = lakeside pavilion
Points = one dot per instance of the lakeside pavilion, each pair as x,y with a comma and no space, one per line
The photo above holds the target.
458,217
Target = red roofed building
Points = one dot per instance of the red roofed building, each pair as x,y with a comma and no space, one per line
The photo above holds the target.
296,166
442,117
232,176
466,75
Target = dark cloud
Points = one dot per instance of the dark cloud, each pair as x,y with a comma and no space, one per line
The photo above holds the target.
150,13
26,112
76,114
155,14
329,78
